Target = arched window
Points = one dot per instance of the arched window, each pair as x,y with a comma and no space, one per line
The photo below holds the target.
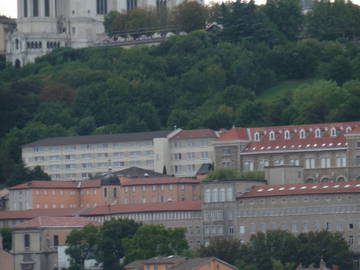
257,136
272,136
317,133
309,180
333,132
16,44
348,129
17,63
340,179
302,134
325,180
287,135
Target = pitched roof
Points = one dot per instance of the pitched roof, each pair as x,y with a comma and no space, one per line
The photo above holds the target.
110,138
46,184
194,134
29,214
44,222
136,265
279,143
301,189
144,207
136,172
196,263
174,259
234,134
157,181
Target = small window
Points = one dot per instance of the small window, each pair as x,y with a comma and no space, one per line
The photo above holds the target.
26,241
302,134
114,193
333,132
351,226
56,240
287,135
317,133
272,136
105,192
257,137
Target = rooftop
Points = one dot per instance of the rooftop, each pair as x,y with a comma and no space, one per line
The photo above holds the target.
157,180
196,263
195,134
301,189
145,207
45,222
29,214
95,139
136,172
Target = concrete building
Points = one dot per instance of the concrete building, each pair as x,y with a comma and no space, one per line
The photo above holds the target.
327,152
179,152
109,190
35,242
6,25
183,214
45,25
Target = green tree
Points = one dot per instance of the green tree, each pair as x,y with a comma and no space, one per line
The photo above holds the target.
339,69
140,20
110,249
154,240
222,174
225,249
82,246
286,15
115,21
6,234
190,16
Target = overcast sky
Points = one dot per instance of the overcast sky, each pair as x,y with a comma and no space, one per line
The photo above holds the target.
8,7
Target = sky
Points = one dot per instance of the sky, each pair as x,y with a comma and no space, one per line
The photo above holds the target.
8,7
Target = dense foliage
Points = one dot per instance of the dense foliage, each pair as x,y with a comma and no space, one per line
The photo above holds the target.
222,174
122,239
282,250
205,79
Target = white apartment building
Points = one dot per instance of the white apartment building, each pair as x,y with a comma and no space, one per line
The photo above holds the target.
179,152
44,25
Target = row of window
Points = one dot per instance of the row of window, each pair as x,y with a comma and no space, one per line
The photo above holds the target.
190,156
89,147
314,210
184,168
190,143
303,134
218,195
62,205
36,8
115,164
54,243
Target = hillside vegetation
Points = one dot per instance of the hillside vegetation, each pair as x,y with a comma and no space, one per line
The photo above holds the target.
257,71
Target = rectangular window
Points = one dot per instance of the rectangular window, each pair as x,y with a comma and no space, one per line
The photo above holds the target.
25,8
35,8
357,160
47,8
101,7
56,240
26,241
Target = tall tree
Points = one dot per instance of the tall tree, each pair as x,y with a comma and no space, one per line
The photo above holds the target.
190,16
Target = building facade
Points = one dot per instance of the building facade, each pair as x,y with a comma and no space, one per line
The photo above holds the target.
327,152
79,157
183,214
35,242
6,25
44,25
109,190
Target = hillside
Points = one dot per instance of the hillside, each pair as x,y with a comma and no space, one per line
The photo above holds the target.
251,78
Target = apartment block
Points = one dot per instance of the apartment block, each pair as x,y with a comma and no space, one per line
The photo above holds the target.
108,190
79,157
327,152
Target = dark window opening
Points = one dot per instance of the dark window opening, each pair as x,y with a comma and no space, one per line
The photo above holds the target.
35,8
47,8
114,193
25,8
56,240
27,241
101,7
351,226
105,192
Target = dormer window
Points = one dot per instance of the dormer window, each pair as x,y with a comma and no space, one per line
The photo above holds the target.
348,129
333,132
257,136
272,136
287,135
302,134
317,133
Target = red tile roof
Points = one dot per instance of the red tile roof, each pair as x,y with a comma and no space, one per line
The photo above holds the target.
294,143
145,207
157,181
234,134
46,184
29,214
301,189
195,134
44,222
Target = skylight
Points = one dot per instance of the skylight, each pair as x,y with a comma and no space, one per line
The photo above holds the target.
347,186
325,186
314,187
336,186
292,188
303,187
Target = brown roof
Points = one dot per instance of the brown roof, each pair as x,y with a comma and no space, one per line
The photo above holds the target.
193,264
46,184
157,181
110,138
29,214
234,134
144,207
136,265
44,222
166,260
195,134
302,189
136,172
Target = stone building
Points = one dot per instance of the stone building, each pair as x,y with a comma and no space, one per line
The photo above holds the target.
35,242
327,152
183,214
178,152
108,190
6,25
49,24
